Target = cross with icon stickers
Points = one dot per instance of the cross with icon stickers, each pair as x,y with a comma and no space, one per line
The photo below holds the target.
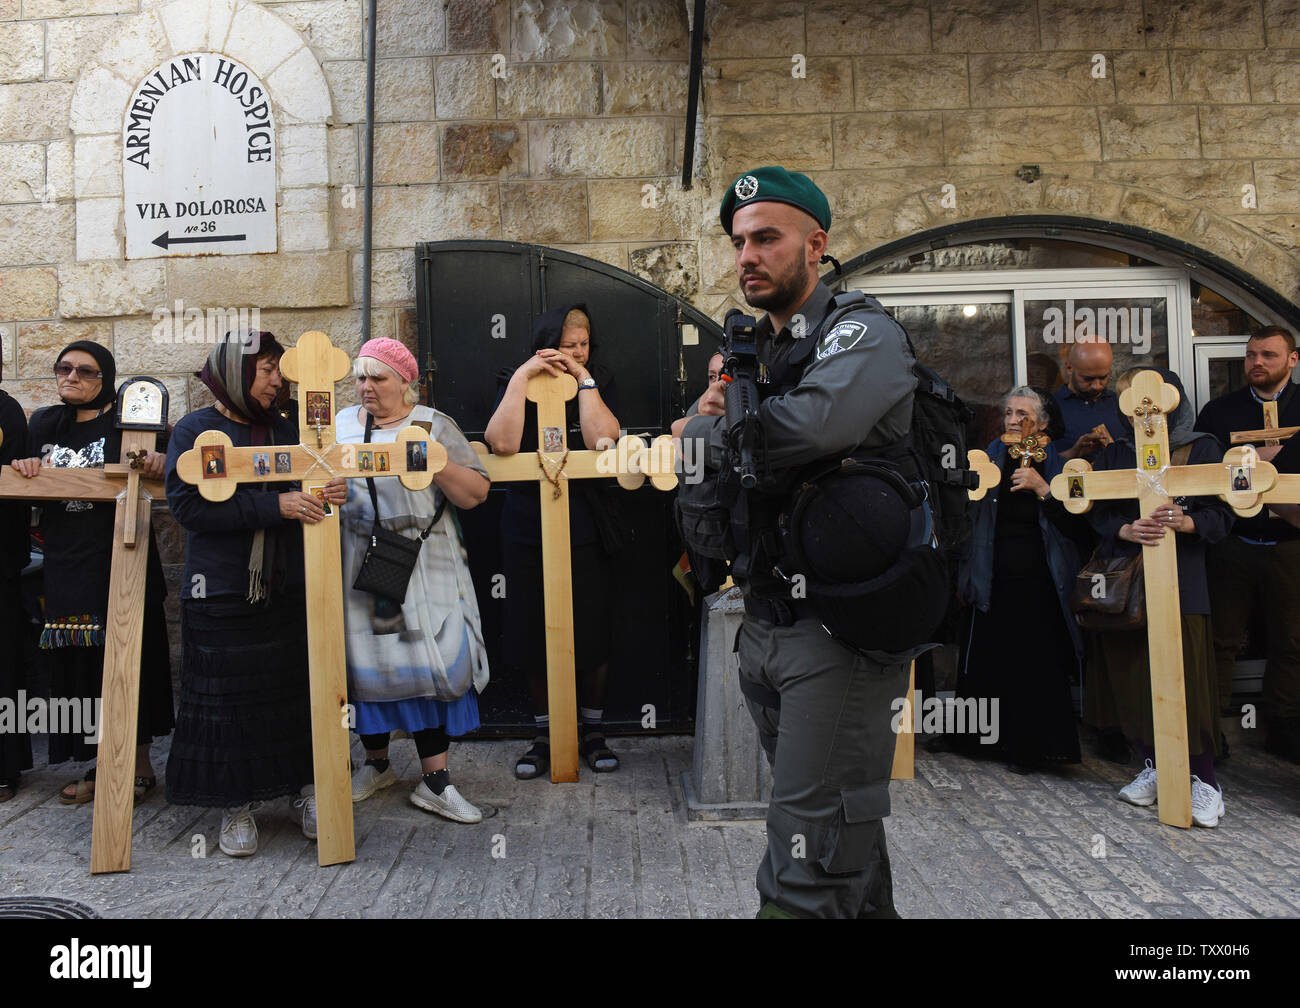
217,468
554,465
1153,482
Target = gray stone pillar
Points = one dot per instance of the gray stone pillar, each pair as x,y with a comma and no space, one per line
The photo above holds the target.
730,778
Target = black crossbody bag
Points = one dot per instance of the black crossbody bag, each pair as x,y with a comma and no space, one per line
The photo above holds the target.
391,557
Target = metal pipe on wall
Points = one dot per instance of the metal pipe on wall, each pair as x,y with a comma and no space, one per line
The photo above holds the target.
370,172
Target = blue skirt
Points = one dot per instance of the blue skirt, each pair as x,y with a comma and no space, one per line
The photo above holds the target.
457,717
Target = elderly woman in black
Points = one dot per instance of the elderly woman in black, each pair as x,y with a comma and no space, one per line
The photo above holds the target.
562,343
1016,575
82,434
1122,664
243,731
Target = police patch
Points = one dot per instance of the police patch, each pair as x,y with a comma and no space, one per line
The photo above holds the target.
844,336
746,187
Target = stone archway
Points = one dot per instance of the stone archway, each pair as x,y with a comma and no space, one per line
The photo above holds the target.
237,28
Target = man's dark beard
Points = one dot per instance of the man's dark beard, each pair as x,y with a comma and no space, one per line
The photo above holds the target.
787,291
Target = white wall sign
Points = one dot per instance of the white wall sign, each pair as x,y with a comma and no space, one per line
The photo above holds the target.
198,161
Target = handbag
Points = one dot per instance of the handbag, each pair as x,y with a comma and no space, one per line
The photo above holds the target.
391,557
1109,594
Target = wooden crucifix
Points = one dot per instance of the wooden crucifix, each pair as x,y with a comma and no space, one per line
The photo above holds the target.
904,767
1149,401
217,468
1270,433
141,413
554,465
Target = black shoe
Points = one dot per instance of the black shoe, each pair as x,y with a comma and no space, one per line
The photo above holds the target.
1113,747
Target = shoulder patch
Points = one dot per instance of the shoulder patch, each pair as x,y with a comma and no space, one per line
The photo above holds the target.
844,336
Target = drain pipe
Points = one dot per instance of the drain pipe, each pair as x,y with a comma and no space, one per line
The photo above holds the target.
370,173
693,93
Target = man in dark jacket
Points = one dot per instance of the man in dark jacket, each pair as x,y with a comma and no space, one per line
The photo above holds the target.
1259,564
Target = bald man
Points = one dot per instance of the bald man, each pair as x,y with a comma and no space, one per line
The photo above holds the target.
1086,401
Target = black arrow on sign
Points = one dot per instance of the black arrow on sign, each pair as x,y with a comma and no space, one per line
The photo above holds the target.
162,241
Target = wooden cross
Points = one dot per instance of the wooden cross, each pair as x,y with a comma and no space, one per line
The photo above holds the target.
217,468
110,846
1028,450
554,465
905,746
1149,401
1270,433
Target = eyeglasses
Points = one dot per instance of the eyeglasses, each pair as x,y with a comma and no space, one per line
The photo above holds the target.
84,371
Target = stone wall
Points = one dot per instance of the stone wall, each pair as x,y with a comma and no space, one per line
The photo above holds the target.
562,122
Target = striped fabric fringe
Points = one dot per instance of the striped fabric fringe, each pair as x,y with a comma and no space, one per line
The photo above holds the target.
73,631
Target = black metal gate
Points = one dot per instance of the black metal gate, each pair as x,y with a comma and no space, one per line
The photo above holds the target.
476,302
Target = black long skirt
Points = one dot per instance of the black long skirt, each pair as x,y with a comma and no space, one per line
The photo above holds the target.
15,746
525,620
243,729
1021,655
78,672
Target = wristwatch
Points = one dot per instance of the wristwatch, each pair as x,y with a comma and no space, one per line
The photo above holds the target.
587,383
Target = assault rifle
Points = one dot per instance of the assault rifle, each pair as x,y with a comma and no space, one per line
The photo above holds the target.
744,433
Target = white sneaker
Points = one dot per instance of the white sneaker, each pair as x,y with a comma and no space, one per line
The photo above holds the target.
239,832
367,780
450,804
307,802
1207,803
1142,791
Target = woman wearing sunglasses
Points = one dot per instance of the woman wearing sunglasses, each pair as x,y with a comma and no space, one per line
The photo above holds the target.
78,535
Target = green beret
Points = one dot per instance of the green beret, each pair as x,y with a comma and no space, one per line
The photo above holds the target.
775,185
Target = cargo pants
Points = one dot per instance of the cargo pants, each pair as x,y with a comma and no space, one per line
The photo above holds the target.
824,717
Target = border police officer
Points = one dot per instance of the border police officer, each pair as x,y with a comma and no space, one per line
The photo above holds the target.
839,383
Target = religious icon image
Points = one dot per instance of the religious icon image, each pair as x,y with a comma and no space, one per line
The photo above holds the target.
381,461
1076,487
142,403
1241,478
417,456
1151,456
552,439
319,494
283,462
318,409
214,461
365,461
261,463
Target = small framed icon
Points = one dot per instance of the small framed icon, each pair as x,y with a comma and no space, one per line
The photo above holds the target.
1076,487
381,461
552,439
1241,478
318,409
214,461
417,456
283,463
1151,456
319,494
366,461
261,463
142,404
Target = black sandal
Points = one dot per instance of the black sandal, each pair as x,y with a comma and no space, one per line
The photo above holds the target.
536,761
597,753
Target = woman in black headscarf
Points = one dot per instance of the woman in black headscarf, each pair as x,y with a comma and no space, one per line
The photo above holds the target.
1122,663
243,729
562,343
78,535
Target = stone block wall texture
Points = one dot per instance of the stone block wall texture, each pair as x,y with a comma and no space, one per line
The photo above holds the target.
562,122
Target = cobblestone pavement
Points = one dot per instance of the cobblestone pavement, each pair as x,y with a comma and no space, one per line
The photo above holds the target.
967,838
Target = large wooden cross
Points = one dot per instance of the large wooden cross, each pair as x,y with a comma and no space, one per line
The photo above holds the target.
217,468
1153,482
554,465
110,847
1270,434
